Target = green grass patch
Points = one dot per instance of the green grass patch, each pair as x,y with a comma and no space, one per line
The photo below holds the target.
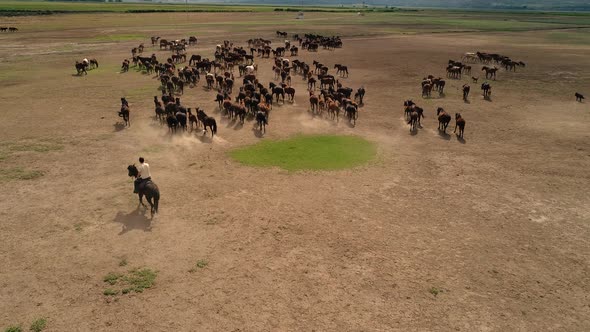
308,153
110,292
112,278
38,325
136,280
14,328
19,173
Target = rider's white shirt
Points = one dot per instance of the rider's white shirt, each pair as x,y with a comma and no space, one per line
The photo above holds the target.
144,171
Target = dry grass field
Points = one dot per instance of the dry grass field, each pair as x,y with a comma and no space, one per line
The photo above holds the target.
489,233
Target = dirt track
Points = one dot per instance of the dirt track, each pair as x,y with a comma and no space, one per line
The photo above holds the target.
497,223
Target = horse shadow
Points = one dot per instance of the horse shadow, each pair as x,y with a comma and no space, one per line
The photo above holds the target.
466,101
487,98
444,135
230,123
135,219
460,139
414,132
118,126
257,133
239,125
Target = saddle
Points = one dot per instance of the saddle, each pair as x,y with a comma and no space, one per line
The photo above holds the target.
143,183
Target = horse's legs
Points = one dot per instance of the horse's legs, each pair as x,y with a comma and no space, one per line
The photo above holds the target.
141,199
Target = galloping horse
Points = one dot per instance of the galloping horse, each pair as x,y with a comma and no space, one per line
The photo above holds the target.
81,68
487,89
261,121
352,113
124,113
146,188
359,95
207,121
466,89
459,122
313,101
443,119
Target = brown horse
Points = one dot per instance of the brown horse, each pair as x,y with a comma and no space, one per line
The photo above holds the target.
579,97
490,71
313,101
466,89
413,121
334,109
459,122
443,119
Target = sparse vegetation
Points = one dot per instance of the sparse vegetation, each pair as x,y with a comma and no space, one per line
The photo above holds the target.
38,325
14,328
110,292
112,278
435,291
19,173
201,264
136,280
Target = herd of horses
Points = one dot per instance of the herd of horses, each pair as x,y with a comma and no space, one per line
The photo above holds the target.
84,65
253,99
413,114
9,29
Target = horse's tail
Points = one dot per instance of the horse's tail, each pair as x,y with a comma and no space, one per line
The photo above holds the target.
214,127
156,200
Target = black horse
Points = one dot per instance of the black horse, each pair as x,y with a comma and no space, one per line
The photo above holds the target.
172,123
81,68
124,113
261,121
579,97
207,121
359,95
181,118
352,113
146,188
279,91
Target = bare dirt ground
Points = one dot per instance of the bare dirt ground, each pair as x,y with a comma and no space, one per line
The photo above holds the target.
437,234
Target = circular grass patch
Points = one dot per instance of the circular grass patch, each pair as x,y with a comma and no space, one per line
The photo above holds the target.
308,153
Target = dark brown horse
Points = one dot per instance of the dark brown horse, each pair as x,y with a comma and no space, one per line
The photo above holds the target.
124,113
459,122
579,97
466,89
443,119
487,89
490,71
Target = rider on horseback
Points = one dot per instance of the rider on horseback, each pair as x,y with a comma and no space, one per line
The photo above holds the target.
143,176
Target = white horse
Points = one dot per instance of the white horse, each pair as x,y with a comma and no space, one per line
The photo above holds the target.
469,56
